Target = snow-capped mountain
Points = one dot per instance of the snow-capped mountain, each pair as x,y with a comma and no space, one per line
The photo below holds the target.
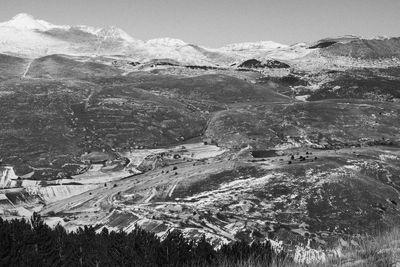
26,36
27,22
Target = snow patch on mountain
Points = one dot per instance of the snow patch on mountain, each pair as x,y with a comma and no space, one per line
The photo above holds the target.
261,45
170,42
113,32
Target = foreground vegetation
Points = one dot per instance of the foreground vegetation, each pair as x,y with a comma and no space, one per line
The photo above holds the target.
34,243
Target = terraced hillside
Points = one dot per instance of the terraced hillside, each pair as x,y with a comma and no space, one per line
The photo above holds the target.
36,126
125,116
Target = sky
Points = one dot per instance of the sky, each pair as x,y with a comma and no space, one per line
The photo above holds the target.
215,23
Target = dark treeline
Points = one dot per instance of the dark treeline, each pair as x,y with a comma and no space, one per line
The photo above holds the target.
34,243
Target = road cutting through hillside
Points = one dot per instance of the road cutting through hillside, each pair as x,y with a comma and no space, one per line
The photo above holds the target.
27,69
144,185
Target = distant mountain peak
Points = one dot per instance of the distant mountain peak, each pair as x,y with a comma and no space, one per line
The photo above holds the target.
26,21
23,16
115,33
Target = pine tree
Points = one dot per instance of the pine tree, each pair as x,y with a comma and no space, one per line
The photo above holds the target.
45,242
35,244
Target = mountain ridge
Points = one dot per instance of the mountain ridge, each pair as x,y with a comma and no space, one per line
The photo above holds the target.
25,36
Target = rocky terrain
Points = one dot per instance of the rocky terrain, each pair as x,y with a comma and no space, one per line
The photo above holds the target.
252,141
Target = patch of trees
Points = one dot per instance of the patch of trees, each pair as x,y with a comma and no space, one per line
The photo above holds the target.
164,64
272,64
263,153
288,80
34,243
195,67
323,45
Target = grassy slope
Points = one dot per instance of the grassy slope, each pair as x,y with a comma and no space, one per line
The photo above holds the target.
326,123
59,66
219,88
372,84
11,67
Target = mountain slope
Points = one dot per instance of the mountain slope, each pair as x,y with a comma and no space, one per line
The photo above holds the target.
365,49
11,67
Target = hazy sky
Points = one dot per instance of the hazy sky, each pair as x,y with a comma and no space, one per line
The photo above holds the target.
218,22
